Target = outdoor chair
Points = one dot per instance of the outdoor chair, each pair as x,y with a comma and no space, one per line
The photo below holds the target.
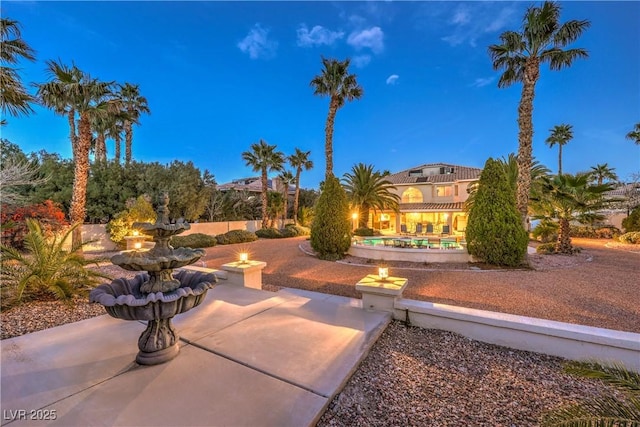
398,243
445,229
403,229
388,242
429,228
418,229
422,243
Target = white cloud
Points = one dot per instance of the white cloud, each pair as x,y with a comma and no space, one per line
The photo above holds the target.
317,36
481,82
461,16
257,43
469,21
392,79
372,38
361,60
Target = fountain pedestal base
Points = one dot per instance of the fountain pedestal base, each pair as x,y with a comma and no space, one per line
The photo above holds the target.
157,357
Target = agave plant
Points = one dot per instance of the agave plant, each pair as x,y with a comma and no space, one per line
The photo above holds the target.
620,409
45,268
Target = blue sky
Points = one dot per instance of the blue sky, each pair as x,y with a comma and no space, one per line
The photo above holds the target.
219,76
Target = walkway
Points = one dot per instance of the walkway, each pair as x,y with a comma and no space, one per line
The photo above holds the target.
247,358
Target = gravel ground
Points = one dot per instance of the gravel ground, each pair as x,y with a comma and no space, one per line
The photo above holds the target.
415,376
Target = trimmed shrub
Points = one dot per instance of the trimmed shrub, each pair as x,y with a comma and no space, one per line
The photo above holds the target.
632,222
299,229
269,233
494,232
546,248
138,210
331,228
632,237
236,236
363,231
196,240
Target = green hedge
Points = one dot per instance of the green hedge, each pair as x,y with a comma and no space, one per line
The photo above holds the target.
269,233
290,230
196,240
364,231
236,236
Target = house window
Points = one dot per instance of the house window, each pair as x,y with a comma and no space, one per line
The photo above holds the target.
443,190
412,195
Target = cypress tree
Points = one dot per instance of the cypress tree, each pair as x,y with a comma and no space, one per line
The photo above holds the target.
331,228
494,232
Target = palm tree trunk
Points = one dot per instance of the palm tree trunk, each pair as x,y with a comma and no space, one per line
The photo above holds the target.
296,196
284,214
71,117
525,136
559,159
363,218
328,130
128,135
80,178
264,197
101,148
563,245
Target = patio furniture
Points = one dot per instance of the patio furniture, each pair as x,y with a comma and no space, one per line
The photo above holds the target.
445,229
418,229
388,242
422,243
448,243
403,229
429,228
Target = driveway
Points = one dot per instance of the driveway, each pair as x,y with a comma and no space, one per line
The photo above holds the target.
601,287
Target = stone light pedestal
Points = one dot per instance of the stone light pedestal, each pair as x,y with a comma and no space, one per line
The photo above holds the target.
245,273
380,294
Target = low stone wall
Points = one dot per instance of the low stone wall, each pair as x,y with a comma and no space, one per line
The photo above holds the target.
407,254
575,342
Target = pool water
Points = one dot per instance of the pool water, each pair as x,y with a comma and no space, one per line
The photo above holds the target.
410,243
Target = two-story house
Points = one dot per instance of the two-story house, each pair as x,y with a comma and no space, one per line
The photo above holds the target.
432,195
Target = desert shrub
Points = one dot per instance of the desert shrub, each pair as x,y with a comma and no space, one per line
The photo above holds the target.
288,232
138,210
607,232
14,221
545,231
331,228
632,237
546,248
495,233
363,231
236,236
632,222
587,231
45,270
196,240
269,233
305,216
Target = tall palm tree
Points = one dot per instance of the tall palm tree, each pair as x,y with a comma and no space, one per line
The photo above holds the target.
634,135
264,158
14,98
566,198
60,92
367,189
286,179
79,94
540,40
560,135
599,173
335,82
299,160
134,106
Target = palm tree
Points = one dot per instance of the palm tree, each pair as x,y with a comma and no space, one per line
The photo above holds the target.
560,135
540,40
60,92
299,160
134,106
335,82
285,178
14,99
617,409
566,198
599,173
89,98
634,135
367,189
264,158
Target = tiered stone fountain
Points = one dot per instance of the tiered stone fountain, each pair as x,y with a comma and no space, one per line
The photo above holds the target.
159,295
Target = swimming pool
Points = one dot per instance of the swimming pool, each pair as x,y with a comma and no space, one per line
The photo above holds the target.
413,249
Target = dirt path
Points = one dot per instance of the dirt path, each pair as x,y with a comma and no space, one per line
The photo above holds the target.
599,288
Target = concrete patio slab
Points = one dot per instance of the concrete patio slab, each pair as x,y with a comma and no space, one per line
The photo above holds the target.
312,343
258,358
195,389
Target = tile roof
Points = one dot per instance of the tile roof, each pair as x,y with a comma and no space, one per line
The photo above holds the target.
432,175
405,207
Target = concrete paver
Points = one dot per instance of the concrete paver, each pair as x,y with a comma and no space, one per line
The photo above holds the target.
249,358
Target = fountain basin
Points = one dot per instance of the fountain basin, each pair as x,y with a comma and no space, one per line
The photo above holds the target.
123,299
138,260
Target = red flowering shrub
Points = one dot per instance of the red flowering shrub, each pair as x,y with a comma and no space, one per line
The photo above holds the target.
14,227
